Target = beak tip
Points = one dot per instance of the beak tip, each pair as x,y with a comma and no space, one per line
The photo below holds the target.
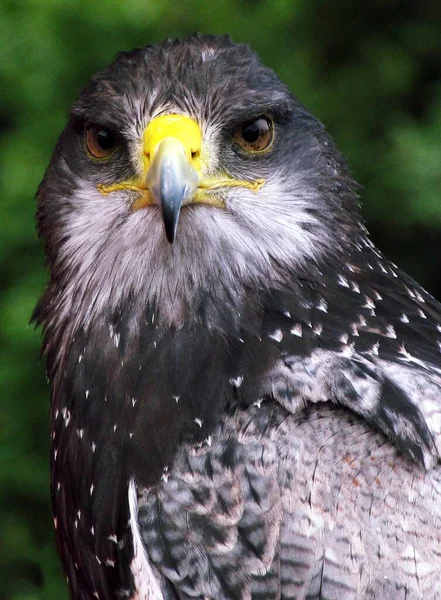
170,230
170,238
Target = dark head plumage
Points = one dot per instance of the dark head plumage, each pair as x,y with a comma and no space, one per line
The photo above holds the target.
220,85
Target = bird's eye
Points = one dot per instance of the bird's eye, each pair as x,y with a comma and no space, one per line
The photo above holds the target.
100,142
255,135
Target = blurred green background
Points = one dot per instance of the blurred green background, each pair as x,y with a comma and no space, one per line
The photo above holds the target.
370,70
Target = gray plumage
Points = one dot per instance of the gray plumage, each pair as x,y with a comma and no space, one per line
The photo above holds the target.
252,411
313,505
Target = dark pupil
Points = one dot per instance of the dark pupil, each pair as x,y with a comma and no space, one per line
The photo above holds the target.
105,139
252,131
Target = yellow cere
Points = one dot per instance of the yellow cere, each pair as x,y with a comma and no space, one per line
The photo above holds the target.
179,127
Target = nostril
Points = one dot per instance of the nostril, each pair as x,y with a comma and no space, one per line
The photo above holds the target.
195,154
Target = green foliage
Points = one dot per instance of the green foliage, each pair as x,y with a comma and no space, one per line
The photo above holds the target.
370,71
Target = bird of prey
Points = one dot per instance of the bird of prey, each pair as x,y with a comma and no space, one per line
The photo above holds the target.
246,394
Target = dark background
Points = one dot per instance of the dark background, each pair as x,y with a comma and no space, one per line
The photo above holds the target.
370,70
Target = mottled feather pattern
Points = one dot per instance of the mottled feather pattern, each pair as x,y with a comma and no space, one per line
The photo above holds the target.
368,337
295,507
164,388
97,414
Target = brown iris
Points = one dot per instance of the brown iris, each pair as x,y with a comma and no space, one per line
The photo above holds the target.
255,135
100,142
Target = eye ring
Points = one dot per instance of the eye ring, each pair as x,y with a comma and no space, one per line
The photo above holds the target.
101,142
254,136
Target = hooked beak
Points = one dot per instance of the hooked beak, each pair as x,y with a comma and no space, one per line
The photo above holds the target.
172,172
172,148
